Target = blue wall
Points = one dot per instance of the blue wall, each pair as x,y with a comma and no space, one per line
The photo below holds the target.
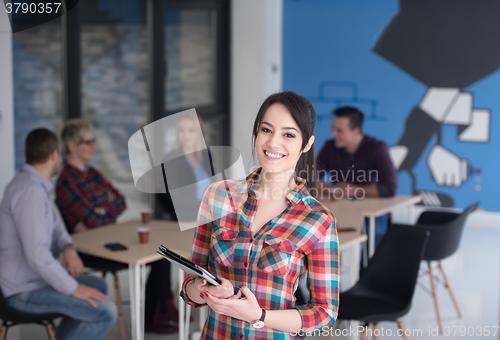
332,41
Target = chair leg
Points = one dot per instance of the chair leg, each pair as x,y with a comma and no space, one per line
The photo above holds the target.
402,327
119,305
375,327
434,296
449,289
334,328
51,330
3,330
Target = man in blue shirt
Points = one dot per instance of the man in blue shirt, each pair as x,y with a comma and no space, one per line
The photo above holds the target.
31,279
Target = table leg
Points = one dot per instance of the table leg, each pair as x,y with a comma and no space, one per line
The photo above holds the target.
354,265
411,214
182,307
132,299
203,317
187,321
135,302
143,298
371,237
354,277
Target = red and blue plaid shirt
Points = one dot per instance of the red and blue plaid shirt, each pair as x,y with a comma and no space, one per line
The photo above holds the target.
301,240
78,193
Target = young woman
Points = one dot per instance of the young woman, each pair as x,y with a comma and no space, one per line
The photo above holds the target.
186,165
264,232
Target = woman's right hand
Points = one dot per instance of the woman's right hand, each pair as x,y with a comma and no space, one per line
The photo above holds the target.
223,291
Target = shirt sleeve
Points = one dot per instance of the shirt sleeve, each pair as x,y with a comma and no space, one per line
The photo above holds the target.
60,235
387,183
322,282
201,243
115,208
322,161
36,240
71,202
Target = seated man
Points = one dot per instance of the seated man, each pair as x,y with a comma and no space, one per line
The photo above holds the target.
353,165
31,279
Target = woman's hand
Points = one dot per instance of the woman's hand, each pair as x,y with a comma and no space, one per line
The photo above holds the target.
246,308
223,291
80,227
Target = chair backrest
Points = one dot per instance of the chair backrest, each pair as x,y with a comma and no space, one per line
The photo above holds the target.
393,270
4,306
445,231
9,314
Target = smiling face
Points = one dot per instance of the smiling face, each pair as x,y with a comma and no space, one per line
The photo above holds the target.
279,140
85,149
342,132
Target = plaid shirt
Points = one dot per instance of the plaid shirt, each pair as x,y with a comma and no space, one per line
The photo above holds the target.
78,193
302,239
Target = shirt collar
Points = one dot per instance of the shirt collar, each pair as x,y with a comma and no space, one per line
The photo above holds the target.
77,171
37,175
294,196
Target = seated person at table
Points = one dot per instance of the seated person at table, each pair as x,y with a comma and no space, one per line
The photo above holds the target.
354,165
82,193
31,279
87,200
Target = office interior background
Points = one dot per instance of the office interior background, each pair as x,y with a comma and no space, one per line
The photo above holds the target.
122,64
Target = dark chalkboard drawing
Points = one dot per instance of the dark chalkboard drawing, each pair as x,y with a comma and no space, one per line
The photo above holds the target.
447,45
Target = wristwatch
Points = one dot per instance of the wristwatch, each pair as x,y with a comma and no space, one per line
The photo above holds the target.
69,245
260,323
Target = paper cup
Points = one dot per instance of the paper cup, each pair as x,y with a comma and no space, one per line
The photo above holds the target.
143,234
146,216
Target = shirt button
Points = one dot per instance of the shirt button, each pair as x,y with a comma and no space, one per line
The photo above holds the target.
245,264
251,240
241,336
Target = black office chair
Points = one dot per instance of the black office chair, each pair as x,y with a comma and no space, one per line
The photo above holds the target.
11,317
385,289
445,233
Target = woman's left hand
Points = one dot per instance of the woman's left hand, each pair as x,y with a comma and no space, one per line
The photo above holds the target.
246,308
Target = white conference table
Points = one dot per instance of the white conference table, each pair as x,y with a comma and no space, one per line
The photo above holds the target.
350,213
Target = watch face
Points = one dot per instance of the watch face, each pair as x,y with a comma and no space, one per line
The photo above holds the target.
258,324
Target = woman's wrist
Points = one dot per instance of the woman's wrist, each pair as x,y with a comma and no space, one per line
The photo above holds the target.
255,315
192,293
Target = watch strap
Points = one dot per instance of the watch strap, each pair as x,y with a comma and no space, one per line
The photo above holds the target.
69,245
263,315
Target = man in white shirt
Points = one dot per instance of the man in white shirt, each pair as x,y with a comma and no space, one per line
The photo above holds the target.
31,279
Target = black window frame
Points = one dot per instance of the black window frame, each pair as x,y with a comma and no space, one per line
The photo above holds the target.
157,69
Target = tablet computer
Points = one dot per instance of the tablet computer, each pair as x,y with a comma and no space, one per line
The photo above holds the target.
188,266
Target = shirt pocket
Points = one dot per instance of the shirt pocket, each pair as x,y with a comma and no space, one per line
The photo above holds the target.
223,245
276,254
